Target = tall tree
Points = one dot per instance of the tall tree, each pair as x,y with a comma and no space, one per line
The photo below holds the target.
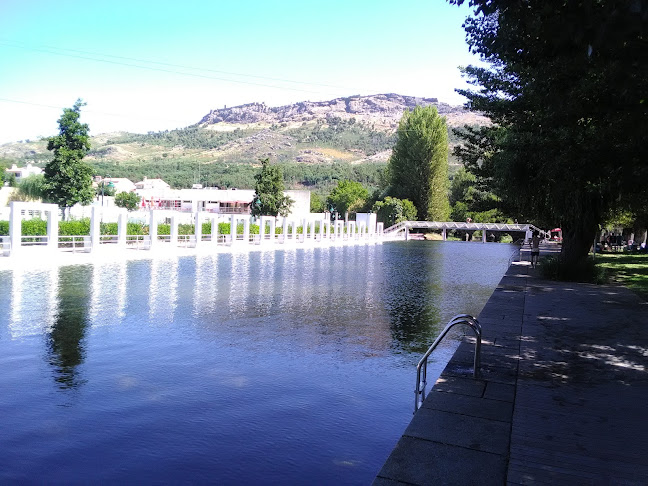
418,166
566,88
68,180
269,198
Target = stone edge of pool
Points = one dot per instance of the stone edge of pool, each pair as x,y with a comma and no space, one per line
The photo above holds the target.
462,430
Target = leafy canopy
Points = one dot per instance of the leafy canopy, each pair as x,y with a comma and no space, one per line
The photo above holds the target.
128,200
269,198
347,196
565,88
68,180
418,166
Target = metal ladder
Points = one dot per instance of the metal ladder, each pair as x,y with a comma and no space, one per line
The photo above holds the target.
421,367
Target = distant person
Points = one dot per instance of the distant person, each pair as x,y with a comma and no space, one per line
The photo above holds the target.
535,248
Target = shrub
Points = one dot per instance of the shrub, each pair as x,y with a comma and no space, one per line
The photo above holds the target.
553,268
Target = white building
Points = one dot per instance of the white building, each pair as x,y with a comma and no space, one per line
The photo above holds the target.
221,201
22,172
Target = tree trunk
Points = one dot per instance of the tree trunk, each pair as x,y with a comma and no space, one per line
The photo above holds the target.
577,240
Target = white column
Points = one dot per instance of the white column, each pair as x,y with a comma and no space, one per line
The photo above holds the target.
15,226
152,229
233,229
122,227
444,233
285,230
273,223
484,235
380,228
173,231
246,230
214,230
52,226
198,227
95,230
262,223
304,229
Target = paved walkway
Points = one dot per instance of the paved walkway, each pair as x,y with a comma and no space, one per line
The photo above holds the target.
563,397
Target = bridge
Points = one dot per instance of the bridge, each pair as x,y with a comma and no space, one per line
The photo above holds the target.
406,226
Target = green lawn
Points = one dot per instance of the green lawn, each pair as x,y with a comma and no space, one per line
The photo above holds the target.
628,269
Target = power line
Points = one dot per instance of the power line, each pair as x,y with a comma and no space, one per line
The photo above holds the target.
171,71
181,66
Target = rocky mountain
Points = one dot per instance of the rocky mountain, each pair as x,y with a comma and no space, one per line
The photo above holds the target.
314,141
381,110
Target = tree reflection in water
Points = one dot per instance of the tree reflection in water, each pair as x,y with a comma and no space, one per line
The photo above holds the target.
66,339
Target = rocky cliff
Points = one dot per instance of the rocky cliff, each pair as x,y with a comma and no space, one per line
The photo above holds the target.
382,110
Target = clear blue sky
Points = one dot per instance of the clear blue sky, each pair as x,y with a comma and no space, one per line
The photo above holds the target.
143,65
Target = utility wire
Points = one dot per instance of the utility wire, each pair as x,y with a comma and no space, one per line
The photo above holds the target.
171,71
10,43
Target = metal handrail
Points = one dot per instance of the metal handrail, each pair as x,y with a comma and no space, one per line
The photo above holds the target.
421,367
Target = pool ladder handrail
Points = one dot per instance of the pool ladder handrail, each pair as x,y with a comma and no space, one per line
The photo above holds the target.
421,367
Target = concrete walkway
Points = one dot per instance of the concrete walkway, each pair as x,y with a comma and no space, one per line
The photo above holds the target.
563,397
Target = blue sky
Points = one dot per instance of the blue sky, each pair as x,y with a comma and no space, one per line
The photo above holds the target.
144,65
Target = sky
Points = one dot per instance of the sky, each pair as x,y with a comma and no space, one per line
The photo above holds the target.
146,66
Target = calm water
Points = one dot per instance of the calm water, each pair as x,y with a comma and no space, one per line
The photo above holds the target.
286,367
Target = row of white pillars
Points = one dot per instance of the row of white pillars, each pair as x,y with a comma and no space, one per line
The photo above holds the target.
310,230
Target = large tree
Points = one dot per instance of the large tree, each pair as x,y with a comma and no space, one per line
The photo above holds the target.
68,180
418,166
347,196
566,87
269,198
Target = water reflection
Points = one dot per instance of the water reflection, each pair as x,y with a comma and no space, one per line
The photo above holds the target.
66,339
33,302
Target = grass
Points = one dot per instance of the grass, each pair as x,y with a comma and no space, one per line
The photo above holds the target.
628,269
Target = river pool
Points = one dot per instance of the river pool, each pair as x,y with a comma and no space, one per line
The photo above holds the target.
269,367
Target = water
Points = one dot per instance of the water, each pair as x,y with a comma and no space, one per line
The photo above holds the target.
286,367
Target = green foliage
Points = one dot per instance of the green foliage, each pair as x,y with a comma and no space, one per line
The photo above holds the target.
393,210
567,98
32,187
418,166
75,227
584,270
269,198
33,227
104,189
12,180
347,196
68,180
128,200
317,204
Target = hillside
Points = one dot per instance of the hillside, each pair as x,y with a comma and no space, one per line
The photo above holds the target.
353,131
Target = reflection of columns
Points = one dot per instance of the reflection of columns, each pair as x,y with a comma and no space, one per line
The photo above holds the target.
152,229
122,227
95,229
233,229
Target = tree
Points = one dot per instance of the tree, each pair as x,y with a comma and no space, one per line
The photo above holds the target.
32,187
128,200
347,196
418,166
68,180
392,210
269,198
565,88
